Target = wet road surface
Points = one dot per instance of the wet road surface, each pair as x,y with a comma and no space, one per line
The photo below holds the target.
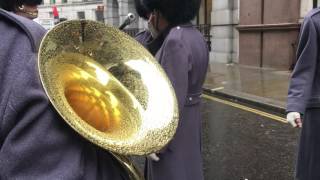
238,144
243,143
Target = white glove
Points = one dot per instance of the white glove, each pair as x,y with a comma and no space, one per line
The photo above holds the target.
153,157
294,118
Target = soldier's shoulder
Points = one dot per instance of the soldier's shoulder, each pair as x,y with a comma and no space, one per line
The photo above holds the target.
314,13
175,33
182,32
33,30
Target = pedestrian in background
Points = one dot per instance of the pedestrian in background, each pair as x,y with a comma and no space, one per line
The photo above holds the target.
183,53
35,142
304,98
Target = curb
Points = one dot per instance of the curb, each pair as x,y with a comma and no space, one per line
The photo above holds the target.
250,100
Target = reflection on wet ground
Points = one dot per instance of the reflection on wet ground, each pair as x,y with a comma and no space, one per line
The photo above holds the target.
241,145
260,82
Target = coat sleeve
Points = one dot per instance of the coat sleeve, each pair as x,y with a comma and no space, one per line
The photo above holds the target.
38,144
303,75
175,62
142,37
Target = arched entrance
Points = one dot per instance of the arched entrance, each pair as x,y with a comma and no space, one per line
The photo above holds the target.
115,13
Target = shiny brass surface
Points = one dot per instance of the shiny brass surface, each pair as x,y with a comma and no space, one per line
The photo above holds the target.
108,88
133,172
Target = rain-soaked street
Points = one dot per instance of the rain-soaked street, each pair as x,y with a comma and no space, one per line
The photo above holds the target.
243,143
238,144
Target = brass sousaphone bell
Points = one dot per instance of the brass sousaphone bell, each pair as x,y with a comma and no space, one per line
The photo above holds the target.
108,88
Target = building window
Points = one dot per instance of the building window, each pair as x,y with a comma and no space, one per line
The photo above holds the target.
81,15
99,16
64,1
52,1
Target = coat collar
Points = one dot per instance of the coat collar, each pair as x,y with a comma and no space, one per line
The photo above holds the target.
189,24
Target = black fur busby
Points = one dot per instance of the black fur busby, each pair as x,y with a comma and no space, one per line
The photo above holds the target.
174,11
141,9
10,5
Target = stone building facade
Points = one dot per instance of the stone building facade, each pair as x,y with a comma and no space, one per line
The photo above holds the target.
112,12
261,33
268,32
224,19
73,9
117,10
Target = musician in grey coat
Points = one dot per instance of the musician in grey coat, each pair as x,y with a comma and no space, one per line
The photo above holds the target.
304,98
35,143
182,52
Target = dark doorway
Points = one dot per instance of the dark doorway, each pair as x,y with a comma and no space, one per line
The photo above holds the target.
316,3
204,15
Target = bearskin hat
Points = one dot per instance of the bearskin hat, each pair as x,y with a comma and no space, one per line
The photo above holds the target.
10,5
141,9
174,11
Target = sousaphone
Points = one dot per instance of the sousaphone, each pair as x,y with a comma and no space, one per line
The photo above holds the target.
108,88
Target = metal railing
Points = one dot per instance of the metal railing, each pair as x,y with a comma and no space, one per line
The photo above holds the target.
203,28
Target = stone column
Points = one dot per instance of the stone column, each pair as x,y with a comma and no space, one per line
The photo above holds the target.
111,14
125,7
305,7
117,10
142,24
224,17
45,2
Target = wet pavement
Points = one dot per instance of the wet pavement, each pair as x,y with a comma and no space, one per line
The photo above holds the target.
267,86
240,145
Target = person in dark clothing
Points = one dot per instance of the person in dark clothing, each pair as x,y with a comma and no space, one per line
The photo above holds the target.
25,8
182,52
35,142
141,9
303,105
145,37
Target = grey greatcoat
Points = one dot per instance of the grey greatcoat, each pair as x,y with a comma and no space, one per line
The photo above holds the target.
304,97
184,57
35,143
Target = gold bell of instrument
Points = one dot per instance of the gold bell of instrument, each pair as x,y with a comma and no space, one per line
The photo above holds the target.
108,88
